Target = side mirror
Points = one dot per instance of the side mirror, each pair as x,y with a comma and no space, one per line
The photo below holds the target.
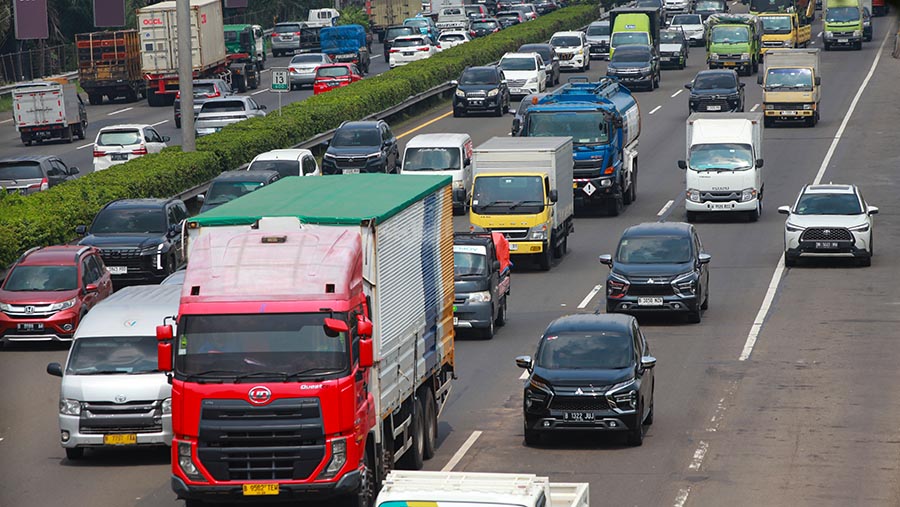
818,80
166,139
784,210
682,164
524,362
688,86
366,354
263,107
74,170
503,82
454,82
363,327
201,197
516,123
704,258
334,326
759,162
173,230
743,84
648,362
54,369
81,230
147,139
554,196
495,266
606,259
872,210
164,356
759,79
164,332
91,288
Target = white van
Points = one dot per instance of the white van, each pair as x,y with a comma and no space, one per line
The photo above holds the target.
112,394
447,154
724,164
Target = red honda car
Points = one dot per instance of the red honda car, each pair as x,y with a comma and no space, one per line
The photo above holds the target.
335,75
49,290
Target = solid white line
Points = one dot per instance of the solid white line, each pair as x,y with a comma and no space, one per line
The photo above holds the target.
587,299
158,123
260,91
754,107
665,208
6,121
461,452
763,311
682,496
524,375
676,93
264,71
655,109
699,454
120,111
84,146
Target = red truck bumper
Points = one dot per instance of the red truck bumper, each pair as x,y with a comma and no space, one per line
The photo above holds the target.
346,485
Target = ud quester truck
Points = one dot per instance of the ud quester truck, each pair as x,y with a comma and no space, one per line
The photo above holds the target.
315,339
521,189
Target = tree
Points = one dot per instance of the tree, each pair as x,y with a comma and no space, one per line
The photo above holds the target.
354,15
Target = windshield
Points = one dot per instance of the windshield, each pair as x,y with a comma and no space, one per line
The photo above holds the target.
730,35
484,25
771,5
654,250
404,503
338,71
268,344
203,89
309,58
113,354
632,55
776,24
20,171
715,81
623,38
598,30
671,37
504,195
587,127
40,278
469,262
841,14
223,106
409,43
586,350
129,221
828,204
479,77
393,33
710,5
686,19
356,137
119,138
224,191
416,22
789,78
565,41
721,157
518,64
431,159
284,167
287,28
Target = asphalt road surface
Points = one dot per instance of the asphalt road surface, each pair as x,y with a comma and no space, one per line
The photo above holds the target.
799,409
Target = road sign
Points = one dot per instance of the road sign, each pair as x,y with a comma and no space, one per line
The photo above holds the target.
280,80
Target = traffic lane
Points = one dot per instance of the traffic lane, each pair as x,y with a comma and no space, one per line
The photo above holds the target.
828,430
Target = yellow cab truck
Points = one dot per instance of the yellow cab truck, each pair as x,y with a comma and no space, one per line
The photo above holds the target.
791,86
522,189
784,30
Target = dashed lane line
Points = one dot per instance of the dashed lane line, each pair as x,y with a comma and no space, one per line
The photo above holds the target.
655,109
158,123
665,207
119,111
587,299
676,94
260,91
84,146
755,106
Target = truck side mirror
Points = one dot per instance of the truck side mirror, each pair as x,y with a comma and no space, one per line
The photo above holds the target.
363,327
759,163
495,266
54,369
554,196
682,164
201,197
334,326
164,335
366,355
818,80
606,259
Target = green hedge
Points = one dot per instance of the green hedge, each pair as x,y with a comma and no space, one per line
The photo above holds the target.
50,217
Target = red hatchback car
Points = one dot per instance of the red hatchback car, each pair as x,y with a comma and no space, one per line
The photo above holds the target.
48,290
329,77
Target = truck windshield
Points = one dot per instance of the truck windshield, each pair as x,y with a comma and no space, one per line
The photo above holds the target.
587,127
271,345
623,38
721,157
469,262
789,78
841,14
508,195
588,350
113,354
776,24
431,159
671,37
730,35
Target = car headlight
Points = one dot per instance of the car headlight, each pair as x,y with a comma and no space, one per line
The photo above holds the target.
616,285
374,155
166,406
860,228
460,93
480,297
857,33
829,34
714,56
69,407
693,195
789,227
538,383
151,250
745,56
685,284
748,194
5,307
493,93
55,307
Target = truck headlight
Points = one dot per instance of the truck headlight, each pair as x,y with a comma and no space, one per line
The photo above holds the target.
460,93
480,297
693,195
829,35
186,461
55,307
458,184
745,56
807,106
714,56
493,93
166,406
69,407
770,106
606,182
338,458
748,194
857,33
538,232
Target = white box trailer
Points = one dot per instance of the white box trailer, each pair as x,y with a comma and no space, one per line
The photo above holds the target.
48,111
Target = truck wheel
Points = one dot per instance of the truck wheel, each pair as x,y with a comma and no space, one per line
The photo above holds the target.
69,134
131,96
194,503
81,129
365,497
615,206
501,314
178,123
546,257
26,140
95,99
240,84
75,453
153,99
415,455
431,429
694,316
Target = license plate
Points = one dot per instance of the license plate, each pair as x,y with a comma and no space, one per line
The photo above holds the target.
578,416
513,247
260,489
118,156
117,270
332,83
124,439
843,41
26,326
665,59
720,206
730,64
713,108
287,37
41,133
787,113
650,301
515,91
407,54
455,321
826,244
350,171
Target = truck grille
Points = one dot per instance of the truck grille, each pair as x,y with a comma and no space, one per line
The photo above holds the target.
283,440
128,257
579,403
565,56
822,234
726,196
789,106
513,234
350,162
130,417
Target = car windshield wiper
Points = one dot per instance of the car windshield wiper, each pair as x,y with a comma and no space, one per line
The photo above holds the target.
102,372
470,273
320,370
521,203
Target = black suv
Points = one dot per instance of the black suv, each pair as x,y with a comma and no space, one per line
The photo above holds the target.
481,89
658,266
362,147
139,239
635,65
33,173
590,372
714,91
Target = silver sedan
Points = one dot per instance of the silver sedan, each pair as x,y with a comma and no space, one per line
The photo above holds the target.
303,68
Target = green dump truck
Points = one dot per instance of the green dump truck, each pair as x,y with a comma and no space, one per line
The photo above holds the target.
734,42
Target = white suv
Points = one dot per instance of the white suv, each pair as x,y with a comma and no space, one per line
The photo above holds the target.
524,73
572,49
120,143
829,221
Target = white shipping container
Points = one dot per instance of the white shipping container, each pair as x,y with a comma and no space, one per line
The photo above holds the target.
159,36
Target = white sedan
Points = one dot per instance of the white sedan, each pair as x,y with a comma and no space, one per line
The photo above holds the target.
452,38
829,221
410,48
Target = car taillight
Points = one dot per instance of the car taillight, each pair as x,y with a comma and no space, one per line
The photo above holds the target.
297,33
43,185
178,95
496,30
472,33
424,48
437,47
292,69
394,51
98,153
140,151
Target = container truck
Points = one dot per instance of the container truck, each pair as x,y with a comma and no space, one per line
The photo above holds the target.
520,189
243,46
724,160
791,86
604,121
315,345
48,111
733,42
109,63
384,13
843,24
446,489
159,47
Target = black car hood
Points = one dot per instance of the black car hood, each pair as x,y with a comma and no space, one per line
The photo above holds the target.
661,270
471,284
123,240
352,151
477,87
584,378
713,91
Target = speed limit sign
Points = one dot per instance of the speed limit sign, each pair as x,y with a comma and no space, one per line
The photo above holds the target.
280,80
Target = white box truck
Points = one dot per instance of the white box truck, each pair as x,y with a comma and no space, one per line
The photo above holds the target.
48,111
522,188
724,160
465,489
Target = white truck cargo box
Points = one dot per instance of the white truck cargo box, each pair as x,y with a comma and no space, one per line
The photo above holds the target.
159,36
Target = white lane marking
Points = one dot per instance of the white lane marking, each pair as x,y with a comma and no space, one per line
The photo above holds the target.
461,452
682,496
264,71
524,375
375,56
84,146
158,123
699,454
6,121
755,106
261,91
655,109
587,299
763,310
120,111
818,35
676,94
665,208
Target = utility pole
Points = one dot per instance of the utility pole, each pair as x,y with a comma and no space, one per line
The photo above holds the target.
185,74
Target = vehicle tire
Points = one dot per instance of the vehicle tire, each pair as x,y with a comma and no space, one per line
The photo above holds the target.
615,206
26,142
753,216
69,134
365,496
415,455
488,332
826,46
546,258
631,194
501,314
705,304
429,410
695,316
610,308
170,266
636,434
790,261
240,84
131,95
499,111
194,503
95,99
587,65
74,453
532,437
178,123
154,99
755,67
458,113
506,106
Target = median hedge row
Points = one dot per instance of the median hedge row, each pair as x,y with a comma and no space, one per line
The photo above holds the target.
50,217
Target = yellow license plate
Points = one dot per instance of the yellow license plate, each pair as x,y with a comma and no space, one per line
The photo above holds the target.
729,64
574,185
260,489
125,439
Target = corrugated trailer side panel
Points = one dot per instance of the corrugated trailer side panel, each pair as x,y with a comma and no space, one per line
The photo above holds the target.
159,36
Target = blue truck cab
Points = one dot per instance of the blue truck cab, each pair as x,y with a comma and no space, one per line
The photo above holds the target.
346,44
